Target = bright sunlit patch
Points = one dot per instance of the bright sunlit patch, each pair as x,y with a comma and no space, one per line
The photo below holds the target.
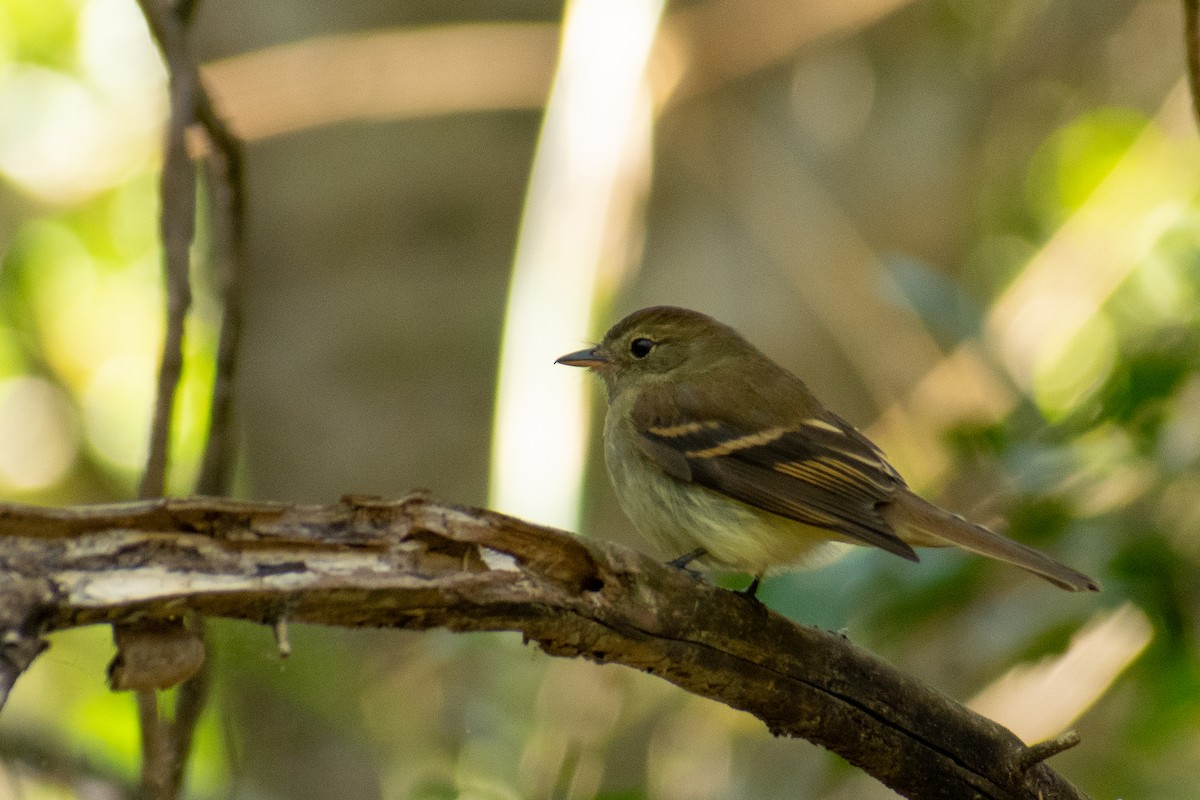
132,219
66,686
8,37
1036,701
690,754
119,58
190,428
106,723
116,410
88,311
1162,288
64,137
1072,162
53,134
588,176
1126,209
39,437
1065,378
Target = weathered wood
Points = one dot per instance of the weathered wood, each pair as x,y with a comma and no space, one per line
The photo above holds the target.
419,563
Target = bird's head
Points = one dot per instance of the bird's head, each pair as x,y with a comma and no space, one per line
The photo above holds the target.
659,343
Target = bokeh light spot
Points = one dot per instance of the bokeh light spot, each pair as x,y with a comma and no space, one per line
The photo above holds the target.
52,133
1065,377
116,410
833,94
1073,162
39,436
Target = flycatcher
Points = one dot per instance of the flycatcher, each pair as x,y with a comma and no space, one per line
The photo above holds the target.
721,455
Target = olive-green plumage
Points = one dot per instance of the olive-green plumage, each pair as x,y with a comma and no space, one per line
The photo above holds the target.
717,452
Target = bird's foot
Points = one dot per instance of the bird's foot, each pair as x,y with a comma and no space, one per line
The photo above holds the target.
687,558
751,591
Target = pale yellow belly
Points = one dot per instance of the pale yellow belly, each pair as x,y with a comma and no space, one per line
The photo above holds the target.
680,518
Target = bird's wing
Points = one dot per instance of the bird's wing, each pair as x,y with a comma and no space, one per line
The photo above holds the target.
817,470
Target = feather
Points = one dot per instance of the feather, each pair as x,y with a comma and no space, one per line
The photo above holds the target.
819,471
933,526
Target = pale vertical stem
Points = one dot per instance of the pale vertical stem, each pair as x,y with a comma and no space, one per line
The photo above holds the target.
579,229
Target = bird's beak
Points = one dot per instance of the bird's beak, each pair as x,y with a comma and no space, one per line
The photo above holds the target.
592,357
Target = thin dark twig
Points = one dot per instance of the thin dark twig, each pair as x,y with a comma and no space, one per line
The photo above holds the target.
1191,39
155,741
189,706
178,225
228,197
165,746
1037,753
226,179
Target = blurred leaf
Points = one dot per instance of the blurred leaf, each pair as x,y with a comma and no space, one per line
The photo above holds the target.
1150,574
1071,164
940,302
40,31
1036,519
970,439
926,596
1150,372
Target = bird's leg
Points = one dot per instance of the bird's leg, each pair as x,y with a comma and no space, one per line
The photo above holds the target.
687,558
751,591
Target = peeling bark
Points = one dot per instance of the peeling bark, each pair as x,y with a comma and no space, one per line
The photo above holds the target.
419,563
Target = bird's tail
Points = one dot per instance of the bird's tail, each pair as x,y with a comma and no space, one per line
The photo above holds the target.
921,523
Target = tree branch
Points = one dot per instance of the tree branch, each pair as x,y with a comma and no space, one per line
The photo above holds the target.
227,181
167,745
178,224
190,103
420,564
227,184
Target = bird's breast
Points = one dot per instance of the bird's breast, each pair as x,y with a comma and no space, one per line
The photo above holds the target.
679,517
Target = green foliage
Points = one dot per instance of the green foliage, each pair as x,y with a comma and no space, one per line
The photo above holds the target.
39,31
1075,159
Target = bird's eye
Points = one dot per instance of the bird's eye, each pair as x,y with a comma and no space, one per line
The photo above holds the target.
640,348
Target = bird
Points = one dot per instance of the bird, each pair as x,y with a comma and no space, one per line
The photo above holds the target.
720,454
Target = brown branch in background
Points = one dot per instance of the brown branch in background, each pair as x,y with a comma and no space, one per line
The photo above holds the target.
166,746
155,747
1191,40
419,564
178,225
227,190
190,701
190,104
725,40
1037,753
433,70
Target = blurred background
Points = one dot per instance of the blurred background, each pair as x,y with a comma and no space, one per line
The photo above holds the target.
973,228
